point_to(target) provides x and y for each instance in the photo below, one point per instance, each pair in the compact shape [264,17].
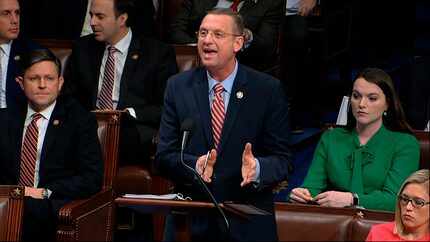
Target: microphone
[187,129]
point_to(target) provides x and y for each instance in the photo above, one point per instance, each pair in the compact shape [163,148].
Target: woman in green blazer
[364,163]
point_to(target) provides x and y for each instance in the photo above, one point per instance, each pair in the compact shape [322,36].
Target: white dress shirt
[120,58]
[4,60]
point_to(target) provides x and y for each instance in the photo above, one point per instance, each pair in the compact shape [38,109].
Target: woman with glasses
[364,163]
[412,212]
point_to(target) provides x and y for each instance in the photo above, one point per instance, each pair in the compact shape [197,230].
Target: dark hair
[237,18]
[395,118]
[39,55]
[125,6]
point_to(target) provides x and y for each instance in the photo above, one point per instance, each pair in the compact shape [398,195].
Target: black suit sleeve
[84,177]
[181,29]
[165,67]
[79,76]
[265,28]
[143,21]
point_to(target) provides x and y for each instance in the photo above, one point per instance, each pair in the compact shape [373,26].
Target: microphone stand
[206,189]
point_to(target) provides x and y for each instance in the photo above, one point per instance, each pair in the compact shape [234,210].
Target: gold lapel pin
[17,57]
[56,122]
[134,57]
[239,95]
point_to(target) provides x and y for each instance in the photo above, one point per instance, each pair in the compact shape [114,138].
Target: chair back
[61,49]
[93,219]
[187,57]
[109,122]
[424,139]
[11,212]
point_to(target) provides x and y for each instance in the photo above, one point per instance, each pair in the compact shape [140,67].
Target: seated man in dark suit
[13,47]
[50,146]
[132,76]
[261,19]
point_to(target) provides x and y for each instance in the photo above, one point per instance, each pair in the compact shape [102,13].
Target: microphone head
[188,125]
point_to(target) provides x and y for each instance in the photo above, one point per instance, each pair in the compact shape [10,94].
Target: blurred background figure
[295,60]
[70,19]
[13,47]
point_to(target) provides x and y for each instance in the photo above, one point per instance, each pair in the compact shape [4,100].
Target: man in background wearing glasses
[241,117]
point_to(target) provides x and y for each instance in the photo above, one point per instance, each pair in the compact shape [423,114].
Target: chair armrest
[76,218]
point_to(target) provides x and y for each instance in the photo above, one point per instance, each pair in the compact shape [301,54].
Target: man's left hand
[249,165]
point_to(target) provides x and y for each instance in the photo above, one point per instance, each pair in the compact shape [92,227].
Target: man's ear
[123,18]
[238,43]
[61,82]
[20,80]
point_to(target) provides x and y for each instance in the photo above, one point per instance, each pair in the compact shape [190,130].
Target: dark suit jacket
[262,17]
[148,66]
[259,117]
[20,47]
[71,163]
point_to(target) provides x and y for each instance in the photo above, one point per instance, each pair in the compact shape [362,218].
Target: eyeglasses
[217,35]
[418,203]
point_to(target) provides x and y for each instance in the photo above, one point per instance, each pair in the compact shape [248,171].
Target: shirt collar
[46,113]
[227,83]
[6,47]
[123,45]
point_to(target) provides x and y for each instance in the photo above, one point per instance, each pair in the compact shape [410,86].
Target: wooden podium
[186,208]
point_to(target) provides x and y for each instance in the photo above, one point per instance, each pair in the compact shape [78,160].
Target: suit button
[213,176]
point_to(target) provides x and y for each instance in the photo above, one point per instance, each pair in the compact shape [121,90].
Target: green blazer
[374,171]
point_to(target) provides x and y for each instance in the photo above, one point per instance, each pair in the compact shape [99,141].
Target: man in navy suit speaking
[241,118]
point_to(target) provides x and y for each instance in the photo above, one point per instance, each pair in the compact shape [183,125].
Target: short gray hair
[237,18]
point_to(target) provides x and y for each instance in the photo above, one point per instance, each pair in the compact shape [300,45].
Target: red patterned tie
[105,101]
[235,4]
[218,113]
[29,153]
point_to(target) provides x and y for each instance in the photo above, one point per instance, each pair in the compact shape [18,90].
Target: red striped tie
[105,100]
[218,114]
[29,153]
[235,4]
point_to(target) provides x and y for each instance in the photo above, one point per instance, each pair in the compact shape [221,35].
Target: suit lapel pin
[135,56]
[56,122]
[17,57]
[239,95]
